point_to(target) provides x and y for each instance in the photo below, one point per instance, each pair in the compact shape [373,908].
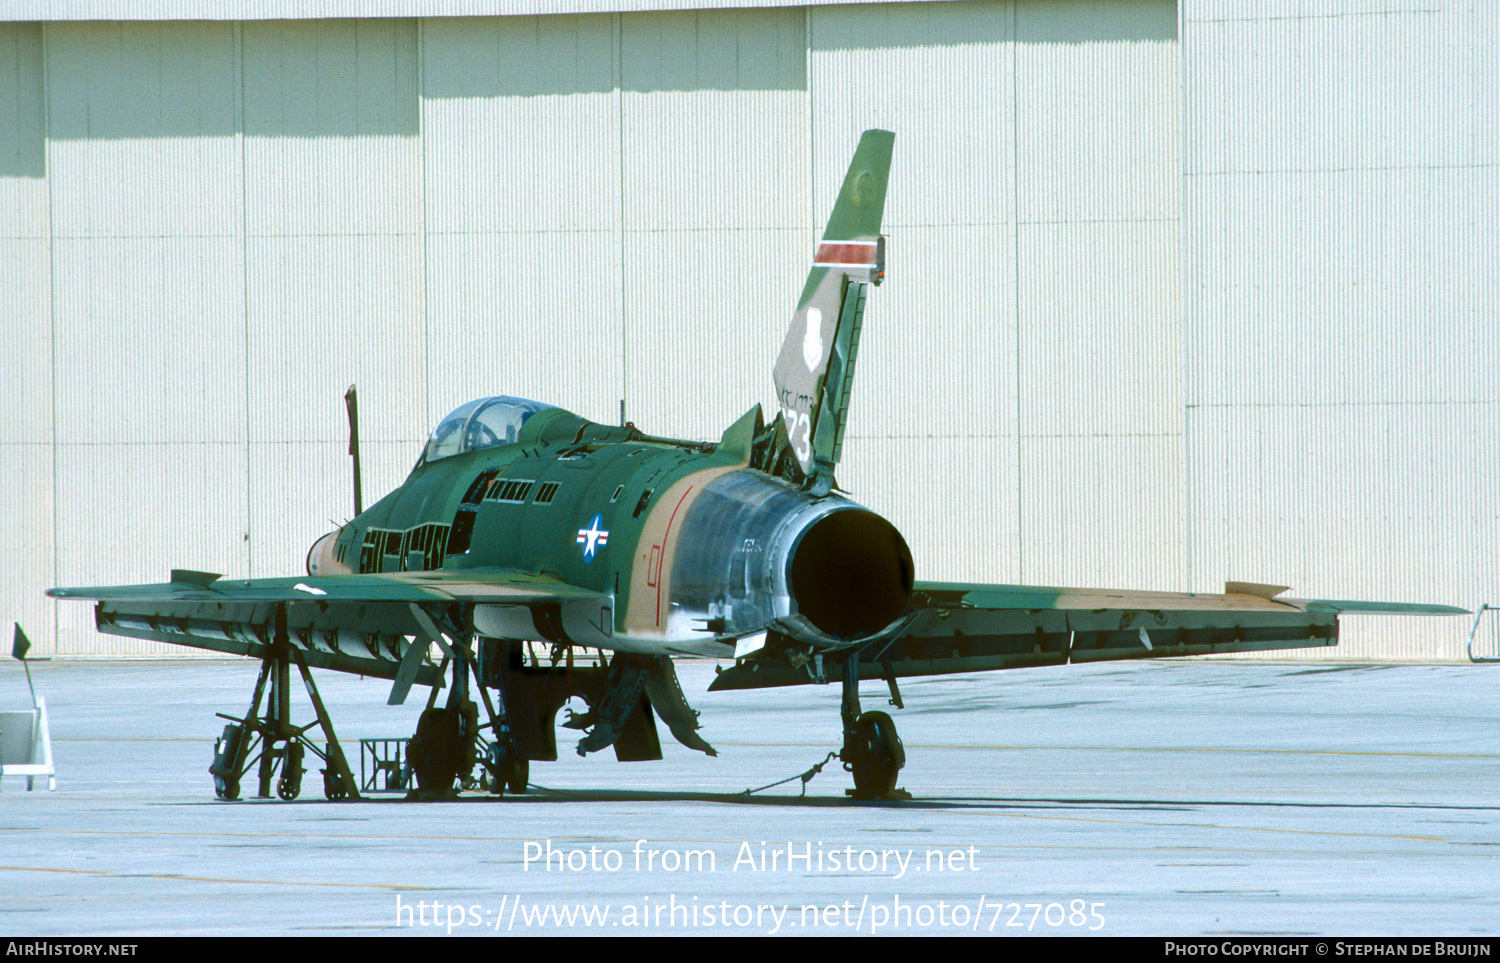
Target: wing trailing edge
[959,627]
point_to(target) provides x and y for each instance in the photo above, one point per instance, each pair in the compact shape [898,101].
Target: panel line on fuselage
[665,536]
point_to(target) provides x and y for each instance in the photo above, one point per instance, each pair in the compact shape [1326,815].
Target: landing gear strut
[446,749]
[504,766]
[444,746]
[872,750]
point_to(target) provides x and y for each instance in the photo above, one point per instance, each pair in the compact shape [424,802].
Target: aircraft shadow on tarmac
[543,795]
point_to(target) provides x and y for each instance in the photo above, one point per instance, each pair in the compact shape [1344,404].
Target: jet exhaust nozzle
[753,551]
[851,574]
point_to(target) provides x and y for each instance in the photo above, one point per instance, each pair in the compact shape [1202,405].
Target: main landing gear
[447,746]
[872,750]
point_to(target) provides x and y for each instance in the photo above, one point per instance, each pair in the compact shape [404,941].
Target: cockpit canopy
[483,423]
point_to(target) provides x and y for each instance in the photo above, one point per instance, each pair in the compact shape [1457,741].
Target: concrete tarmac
[1151,798]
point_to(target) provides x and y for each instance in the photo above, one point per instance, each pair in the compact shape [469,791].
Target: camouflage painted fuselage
[687,546]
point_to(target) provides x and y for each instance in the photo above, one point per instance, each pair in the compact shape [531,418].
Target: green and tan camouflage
[523,523]
[815,369]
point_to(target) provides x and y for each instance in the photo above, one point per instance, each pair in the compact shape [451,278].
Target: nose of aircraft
[322,558]
[851,574]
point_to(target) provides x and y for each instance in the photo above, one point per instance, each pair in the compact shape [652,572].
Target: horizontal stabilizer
[1377,608]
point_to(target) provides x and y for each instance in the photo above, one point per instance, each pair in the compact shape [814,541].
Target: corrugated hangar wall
[1342,365]
[208,229]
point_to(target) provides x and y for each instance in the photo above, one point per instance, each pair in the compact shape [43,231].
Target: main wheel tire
[505,770]
[877,755]
[518,773]
[436,751]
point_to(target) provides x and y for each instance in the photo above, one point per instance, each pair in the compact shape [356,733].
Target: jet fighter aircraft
[524,527]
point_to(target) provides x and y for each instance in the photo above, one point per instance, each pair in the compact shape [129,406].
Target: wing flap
[966,595]
[963,627]
[950,641]
[934,644]
[1238,597]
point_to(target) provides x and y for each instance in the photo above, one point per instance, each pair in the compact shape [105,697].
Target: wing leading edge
[960,627]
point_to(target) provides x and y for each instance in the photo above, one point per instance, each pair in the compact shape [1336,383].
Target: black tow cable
[806,777]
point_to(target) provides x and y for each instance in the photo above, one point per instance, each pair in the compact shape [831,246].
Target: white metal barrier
[1489,640]
[26,746]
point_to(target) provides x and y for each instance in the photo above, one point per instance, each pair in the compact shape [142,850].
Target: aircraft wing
[957,627]
[351,623]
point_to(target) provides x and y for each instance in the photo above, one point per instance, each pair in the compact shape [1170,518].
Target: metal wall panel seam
[1185,467]
[1015,246]
[239,64]
[421,26]
[51,309]
[626,402]
[812,135]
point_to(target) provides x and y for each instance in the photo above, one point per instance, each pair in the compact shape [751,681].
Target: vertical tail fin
[816,367]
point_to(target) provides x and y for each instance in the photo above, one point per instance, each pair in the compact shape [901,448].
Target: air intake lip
[851,574]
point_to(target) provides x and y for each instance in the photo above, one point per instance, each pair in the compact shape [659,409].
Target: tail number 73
[798,432]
